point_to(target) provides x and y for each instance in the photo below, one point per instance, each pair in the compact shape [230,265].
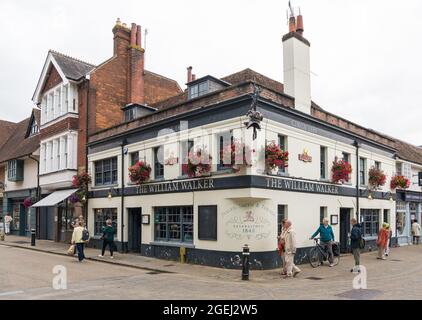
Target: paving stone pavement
[396,278]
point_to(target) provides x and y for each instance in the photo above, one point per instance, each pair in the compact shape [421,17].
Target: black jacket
[355,236]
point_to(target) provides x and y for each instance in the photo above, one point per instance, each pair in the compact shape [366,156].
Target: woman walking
[108,238]
[281,246]
[78,241]
[382,241]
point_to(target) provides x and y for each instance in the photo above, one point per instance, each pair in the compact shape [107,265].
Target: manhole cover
[20,242]
[314,278]
[360,294]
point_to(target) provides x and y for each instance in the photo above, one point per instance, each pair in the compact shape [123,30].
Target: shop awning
[54,198]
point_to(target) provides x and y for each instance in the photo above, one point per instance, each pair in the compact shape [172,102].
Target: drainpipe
[37,210]
[357,145]
[122,197]
[86,145]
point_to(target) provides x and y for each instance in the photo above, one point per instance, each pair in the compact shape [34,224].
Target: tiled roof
[17,146]
[409,152]
[72,68]
[251,75]
[6,130]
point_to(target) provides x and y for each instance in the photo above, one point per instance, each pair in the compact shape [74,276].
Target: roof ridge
[70,57]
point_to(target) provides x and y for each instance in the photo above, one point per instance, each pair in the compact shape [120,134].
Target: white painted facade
[30,174]
[302,208]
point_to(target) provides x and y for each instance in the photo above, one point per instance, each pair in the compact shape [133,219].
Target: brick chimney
[136,92]
[189,74]
[296,60]
[121,39]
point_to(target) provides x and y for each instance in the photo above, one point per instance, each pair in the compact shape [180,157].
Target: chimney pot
[139,36]
[292,24]
[299,28]
[193,77]
[133,35]
[189,74]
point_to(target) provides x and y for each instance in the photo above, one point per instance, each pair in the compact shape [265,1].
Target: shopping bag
[71,250]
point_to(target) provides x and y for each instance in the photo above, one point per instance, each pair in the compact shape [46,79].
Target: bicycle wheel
[314,258]
[336,260]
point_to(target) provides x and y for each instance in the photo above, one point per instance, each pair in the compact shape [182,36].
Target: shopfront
[23,218]
[408,208]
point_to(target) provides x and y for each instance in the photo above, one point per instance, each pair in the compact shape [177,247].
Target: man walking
[281,246]
[355,240]
[416,231]
[290,251]
[7,220]
[327,238]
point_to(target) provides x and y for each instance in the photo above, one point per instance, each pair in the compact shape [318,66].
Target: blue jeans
[80,249]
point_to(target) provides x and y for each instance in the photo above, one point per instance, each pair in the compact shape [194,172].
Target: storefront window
[413,210]
[370,222]
[281,215]
[16,215]
[100,218]
[174,224]
[400,217]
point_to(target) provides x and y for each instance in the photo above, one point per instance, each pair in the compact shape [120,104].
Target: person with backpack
[80,237]
[356,242]
[327,239]
[108,238]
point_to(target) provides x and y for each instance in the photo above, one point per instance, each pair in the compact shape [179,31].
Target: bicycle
[318,255]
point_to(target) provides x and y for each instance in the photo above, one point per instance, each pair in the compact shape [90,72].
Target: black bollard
[245,262]
[33,237]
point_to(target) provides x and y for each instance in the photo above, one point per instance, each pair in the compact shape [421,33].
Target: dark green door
[22,220]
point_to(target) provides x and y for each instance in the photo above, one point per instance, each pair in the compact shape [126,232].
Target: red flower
[377,178]
[275,157]
[139,173]
[399,182]
[340,171]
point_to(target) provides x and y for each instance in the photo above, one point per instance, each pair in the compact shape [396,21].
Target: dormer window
[34,128]
[204,86]
[133,111]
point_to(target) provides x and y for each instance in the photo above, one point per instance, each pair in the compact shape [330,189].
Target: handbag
[362,243]
[71,250]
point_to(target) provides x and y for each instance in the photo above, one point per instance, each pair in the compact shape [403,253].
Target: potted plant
[80,181]
[199,163]
[377,178]
[399,182]
[340,171]
[240,155]
[28,202]
[140,172]
[275,157]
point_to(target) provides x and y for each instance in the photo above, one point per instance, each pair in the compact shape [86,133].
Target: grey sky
[365,55]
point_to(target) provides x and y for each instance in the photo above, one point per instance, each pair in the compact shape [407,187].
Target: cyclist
[327,237]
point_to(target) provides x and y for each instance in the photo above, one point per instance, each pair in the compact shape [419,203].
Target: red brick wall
[59,127]
[82,98]
[158,88]
[108,87]
[53,79]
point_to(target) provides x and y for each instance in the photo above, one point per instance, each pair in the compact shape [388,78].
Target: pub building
[212,216]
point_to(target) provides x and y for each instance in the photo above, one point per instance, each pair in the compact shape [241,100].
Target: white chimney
[297,70]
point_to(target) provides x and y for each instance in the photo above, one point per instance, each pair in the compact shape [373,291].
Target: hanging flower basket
[78,196]
[340,171]
[81,181]
[377,178]
[140,172]
[399,182]
[199,163]
[275,157]
[28,202]
[240,155]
